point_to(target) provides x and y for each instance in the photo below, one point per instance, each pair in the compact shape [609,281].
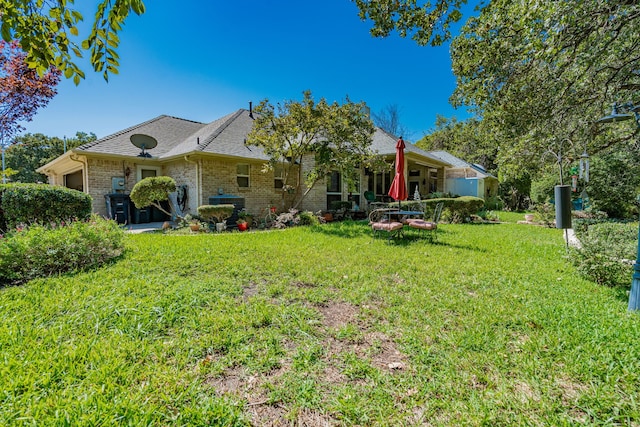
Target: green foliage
[514,192]
[339,135]
[426,23]
[44,250]
[542,73]
[30,151]
[46,34]
[467,140]
[615,182]
[308,218]
[151,191]
[607,252]
[454,210]
[216,213]
[40,203]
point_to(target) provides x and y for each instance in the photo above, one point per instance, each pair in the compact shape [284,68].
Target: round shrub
[41,251]
[41,203]
[216,213]
[152,190]
[607,253]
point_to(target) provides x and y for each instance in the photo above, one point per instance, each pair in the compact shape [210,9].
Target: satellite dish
[143,142]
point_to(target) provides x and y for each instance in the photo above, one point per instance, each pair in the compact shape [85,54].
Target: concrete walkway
[144,228]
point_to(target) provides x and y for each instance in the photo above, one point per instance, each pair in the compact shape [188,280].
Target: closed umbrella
[398,188]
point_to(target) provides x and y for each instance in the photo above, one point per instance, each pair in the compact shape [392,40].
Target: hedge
[42,250]
[40,203]
[458,209]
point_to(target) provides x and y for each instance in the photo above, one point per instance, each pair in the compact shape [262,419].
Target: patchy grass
[323,326]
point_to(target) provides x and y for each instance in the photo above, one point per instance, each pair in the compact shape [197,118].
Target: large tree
[22,92]
[30,151]
[48,33]
[338,136]
[541,73]
[466,139]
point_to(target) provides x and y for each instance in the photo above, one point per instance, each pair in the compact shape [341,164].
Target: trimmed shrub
[151,191]
[607,253]
[41,203]
[41,251]
[456,210]
[215,213]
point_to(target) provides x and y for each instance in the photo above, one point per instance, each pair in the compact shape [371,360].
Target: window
[242,172]
[278,177]
[334,188]
[143,172]
[334,182]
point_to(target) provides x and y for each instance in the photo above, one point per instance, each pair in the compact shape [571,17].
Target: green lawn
[316,326]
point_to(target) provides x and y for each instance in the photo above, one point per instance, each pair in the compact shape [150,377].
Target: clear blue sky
[202,59]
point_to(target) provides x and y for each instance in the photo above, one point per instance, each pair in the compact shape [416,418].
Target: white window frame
[239,175]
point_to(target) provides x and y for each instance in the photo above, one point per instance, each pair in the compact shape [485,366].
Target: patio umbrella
[398,188]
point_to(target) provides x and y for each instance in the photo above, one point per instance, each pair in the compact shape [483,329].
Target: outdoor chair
[380,222]
[430,227]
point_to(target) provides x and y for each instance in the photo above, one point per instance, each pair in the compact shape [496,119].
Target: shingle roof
[178,137]
[225,137]
[459,163]
[167,130]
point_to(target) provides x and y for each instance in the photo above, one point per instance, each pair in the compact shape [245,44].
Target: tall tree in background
[22,92]
[338,135]
[464,139]
[541,73]
[46,30]
[30,151]
[388,120]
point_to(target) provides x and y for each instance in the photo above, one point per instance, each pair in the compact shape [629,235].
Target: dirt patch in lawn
[344,331]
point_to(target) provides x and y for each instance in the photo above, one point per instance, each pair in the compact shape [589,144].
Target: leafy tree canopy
[30,151]
[541,73]
[425,22]
[22,90]
[47,31]
[338,135]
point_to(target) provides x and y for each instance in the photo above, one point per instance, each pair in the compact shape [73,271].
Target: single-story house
[212,163]
[467,179]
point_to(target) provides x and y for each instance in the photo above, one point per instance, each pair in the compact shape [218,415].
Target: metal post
[634,295]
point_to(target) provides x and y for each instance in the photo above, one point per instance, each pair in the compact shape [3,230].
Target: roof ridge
[130,128]
[221,128]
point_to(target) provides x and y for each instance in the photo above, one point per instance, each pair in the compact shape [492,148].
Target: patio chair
[430,227]
[380,221]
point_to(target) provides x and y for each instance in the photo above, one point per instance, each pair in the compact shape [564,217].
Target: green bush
[457,210]
[40,203]
[308,218]
[607,249]
[41,251]
[216,213]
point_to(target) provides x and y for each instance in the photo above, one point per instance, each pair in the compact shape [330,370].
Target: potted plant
[245,216]
[216,214]
[242,225]
[192,222]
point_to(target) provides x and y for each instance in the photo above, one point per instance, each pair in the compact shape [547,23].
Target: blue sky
[200,60]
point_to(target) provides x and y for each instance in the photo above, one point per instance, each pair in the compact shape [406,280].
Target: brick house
[212,159]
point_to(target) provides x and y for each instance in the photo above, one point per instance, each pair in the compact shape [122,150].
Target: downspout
[198,172]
